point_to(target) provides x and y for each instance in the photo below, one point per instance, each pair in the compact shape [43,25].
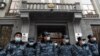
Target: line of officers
[48,48]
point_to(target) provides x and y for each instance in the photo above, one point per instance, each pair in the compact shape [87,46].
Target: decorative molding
[51,5]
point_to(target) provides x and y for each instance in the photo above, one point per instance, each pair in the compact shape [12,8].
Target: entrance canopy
[51,16]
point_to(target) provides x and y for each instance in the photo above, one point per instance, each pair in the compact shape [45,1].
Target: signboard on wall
[25,37]
[77,35]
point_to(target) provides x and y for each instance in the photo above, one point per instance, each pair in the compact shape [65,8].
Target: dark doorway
[96,32]
[56,31]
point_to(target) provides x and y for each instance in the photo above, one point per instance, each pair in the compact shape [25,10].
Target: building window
[15,6]
[87,7]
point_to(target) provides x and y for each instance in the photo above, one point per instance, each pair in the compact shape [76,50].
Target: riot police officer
[65,48]
[16,46]
[93,45]
[87,48]
[30,49]
[81,48]
[46,47]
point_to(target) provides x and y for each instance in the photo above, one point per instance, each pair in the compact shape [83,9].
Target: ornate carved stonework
[51,5]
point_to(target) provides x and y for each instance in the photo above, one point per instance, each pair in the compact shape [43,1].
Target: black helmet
[30,39]
[89,36]
[79,38]
[45,34]
[18,33]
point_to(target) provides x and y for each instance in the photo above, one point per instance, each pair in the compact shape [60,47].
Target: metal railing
[13,12]
[57,6]
[91,16]
[43,7]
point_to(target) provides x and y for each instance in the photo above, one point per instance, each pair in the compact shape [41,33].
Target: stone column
[76,25]
[71,32]
[25,26]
